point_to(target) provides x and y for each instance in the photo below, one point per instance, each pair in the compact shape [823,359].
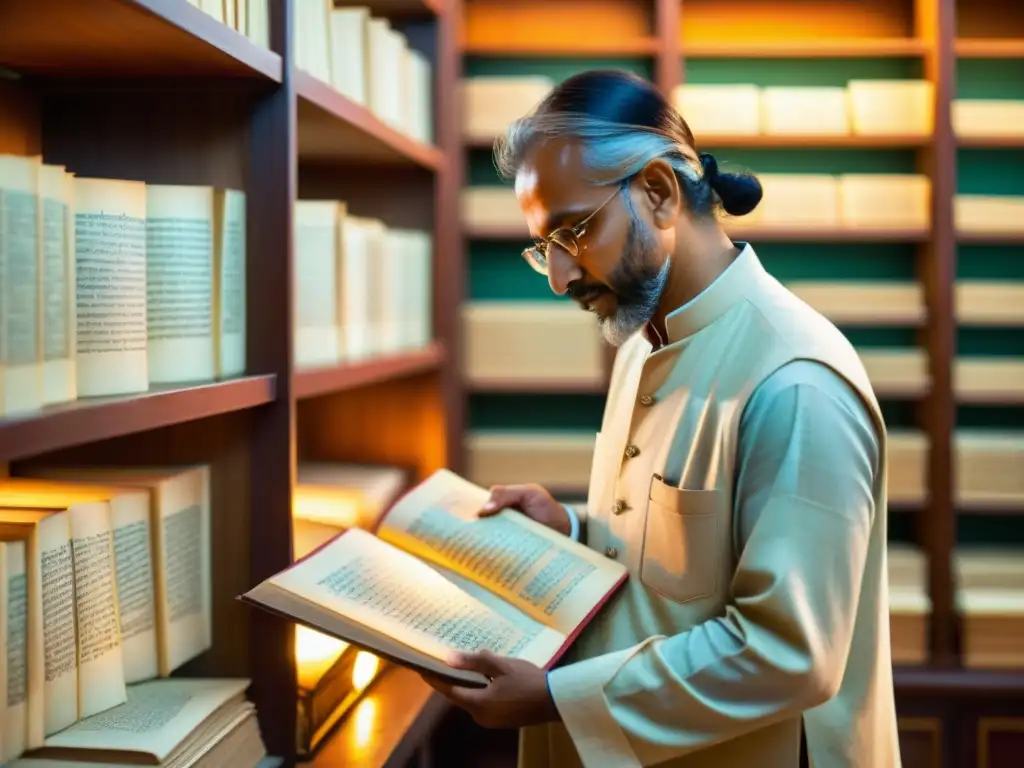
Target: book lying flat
[435,579]
[168,722]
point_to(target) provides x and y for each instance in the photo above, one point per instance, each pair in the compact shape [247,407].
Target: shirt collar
[714,301]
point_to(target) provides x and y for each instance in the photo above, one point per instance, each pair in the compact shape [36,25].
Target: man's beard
[637,284]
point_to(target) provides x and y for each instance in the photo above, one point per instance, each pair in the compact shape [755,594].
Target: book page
[100,663]
[183,571]
[20,347]
[179,283]
[56,191]
[15,721]
[56,623]
[230,266]
[135,593]
[157,716]
[391,592]
[110,279]
[555,580]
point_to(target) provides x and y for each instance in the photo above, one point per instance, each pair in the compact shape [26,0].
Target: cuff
[578,693]
[574,523]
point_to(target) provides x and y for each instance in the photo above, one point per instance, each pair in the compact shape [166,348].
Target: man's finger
[485,662]
[502,496]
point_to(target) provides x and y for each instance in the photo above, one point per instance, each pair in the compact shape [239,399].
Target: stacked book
[105,581]
[248,17]
[112,286]
[367,61]
[362,289]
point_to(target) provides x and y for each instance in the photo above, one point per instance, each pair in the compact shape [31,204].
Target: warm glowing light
[366,717]
[314,654]
[337,507]
[364,670]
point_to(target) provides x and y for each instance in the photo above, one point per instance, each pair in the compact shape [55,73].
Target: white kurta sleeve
[808,458]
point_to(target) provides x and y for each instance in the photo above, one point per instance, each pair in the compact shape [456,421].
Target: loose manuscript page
[156,718]
[546,575]
[391,592]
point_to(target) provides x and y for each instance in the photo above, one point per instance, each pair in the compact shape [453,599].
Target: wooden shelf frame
[203,104]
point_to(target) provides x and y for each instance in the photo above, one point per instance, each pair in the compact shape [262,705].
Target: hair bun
[709,166]
[739,192]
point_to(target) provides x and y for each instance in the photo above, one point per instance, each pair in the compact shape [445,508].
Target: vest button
[646,400]
[632,451]
[611,552]
[620,506]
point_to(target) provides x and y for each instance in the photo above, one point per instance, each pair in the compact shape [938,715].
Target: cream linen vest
[661,502]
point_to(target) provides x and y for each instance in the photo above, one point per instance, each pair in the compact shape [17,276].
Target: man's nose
[562,269]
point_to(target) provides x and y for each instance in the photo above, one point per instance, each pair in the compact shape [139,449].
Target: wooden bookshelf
[89,420]
[138,38]
[324,381]
[158,91]
[780,42]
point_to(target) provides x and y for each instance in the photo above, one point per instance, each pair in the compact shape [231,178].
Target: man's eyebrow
[561,218]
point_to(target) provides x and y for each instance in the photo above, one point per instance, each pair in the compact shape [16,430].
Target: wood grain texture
[136,38]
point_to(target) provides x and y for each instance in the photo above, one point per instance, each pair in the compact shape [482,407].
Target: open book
[436,580]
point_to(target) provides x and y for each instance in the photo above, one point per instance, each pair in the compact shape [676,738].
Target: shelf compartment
[555,459]
[989,380]
[795,28]
[315,382]
[137,38]
[334,128]
[93,419]
[558,28]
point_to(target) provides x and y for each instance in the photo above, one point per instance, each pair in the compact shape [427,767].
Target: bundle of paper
[436,580]
[171,723]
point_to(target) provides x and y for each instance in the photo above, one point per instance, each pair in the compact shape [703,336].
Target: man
[739,472]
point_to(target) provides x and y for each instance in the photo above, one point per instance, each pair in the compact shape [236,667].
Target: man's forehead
[550,184]
[551,170]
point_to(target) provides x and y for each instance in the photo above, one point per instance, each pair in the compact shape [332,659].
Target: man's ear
[660,190]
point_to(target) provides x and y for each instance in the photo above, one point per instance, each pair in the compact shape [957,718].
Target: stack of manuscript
[104,582]
[174,723]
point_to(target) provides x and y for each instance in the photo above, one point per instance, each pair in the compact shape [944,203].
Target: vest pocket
[681,544]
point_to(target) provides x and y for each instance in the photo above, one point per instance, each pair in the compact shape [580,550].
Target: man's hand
[533,501]
[517,695]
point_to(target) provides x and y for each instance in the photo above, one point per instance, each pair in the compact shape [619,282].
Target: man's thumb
[502,496]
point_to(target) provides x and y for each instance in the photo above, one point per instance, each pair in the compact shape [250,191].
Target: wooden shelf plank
[990,142]
[161,38]
[335,128]
[804,49]
[93,419]
[324,381]
[394,717]
[989,48]
[565,47]
[779,142]
[983,684]
[990,238]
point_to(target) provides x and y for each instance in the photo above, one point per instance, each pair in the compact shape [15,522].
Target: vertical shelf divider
[936,21]
[450,266]
[269,332]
